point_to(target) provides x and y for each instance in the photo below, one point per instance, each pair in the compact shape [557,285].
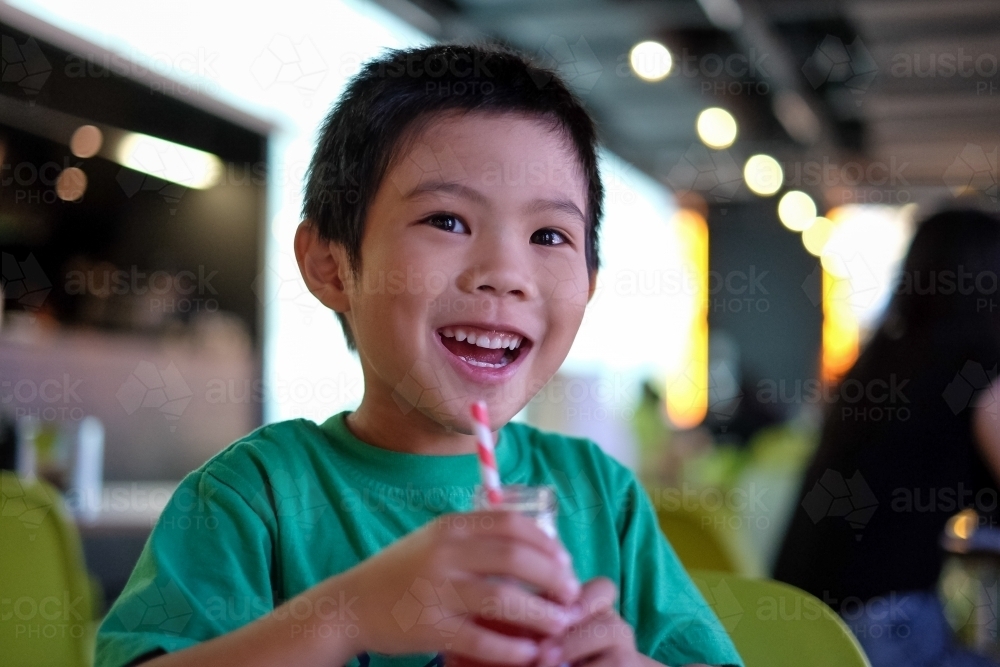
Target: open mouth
[482,348]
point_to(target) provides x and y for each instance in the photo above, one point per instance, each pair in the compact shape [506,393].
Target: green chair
[706,540]
[47,614]
[776,625]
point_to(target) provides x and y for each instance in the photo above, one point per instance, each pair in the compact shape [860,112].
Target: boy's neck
[414,433]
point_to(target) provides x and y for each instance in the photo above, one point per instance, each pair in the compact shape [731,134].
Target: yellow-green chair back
[773,624]
[46,616]
[705,540]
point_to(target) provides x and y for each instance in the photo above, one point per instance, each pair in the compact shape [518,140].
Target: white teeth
[507,341]
[503,362]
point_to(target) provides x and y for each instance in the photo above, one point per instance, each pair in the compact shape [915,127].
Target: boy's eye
[548,237]
[448,223]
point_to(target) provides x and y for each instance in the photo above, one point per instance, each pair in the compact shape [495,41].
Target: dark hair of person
[396,95]
[950,273]
[940,305]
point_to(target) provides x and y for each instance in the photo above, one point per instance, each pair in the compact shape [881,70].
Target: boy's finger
[491,555]
[593,637]
[507,603]
[484,645]
[509,524]
[609,660]
[597,599]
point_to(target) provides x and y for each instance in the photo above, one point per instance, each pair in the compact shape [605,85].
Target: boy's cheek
[563,281]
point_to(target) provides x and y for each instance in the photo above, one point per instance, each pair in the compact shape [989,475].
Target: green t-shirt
[294,502]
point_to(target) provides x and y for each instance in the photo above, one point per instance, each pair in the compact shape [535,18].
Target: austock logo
[578,500]
[714,173]
[973,169]
[834,496]
[722,390]
[423,387]
[159,607]
[281,281]
[133,182]
[157,159]
[722,601]
[970,379]
[24,282]
[426,604]
[293,499]
[970,603]
[286,62]
[148,387]
[30,511]
[720,598]
[423,164]
[859,286]
[834,62]
[23,64]
[576,63]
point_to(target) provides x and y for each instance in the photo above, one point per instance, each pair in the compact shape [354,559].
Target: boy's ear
[324,267]
[593,285]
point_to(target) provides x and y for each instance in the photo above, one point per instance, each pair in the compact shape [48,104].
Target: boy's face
[478,228]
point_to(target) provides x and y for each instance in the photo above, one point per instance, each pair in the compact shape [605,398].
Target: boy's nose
[500,273]
[499,281]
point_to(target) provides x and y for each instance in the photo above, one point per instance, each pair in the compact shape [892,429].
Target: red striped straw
[487,460]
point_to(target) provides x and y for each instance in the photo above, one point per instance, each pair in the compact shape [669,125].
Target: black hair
[950,271]
[401,91]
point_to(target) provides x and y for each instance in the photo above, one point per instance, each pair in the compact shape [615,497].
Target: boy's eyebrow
[477,197]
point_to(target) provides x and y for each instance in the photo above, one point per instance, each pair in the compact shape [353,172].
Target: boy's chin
[457,417]
[449,404]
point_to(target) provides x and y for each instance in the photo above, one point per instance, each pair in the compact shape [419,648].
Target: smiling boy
[460,264]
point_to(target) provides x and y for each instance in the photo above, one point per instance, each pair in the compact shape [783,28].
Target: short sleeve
[673,623]
[204,571]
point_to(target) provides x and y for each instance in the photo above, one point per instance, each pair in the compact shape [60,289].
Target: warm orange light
[71,184]
[840,328]
[86,141]
[963,524]
[687,383]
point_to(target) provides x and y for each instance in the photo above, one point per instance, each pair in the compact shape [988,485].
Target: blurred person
[907,442]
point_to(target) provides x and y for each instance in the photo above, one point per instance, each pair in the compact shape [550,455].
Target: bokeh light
[86,141]
[687,384]
[817,235]
[172,162]
[763,175]
[716,128]
[71,184]
[796,210]
[651,61]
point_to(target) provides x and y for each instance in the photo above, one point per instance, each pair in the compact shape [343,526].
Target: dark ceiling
[889,101]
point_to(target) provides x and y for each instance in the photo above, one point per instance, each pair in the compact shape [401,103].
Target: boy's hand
[598,637]
[465,553]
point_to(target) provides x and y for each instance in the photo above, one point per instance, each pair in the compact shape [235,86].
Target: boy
[459,262]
